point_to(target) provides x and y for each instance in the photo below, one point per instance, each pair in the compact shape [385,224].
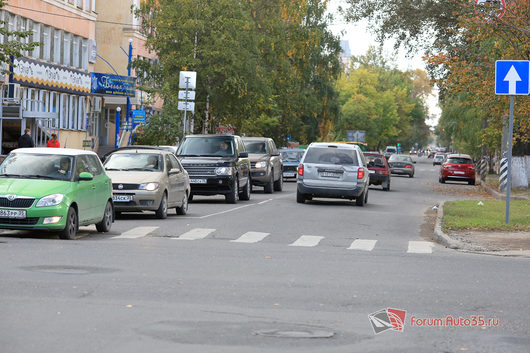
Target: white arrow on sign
[512,77]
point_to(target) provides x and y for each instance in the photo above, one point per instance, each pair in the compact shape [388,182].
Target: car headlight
[148,186]
[261,164]
[50,200]
[224,171]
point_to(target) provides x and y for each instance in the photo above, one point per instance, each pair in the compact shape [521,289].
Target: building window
[37,38]
[57,45]
[75,51]
[46,43]
[63,112]
[93,7]
[81,113]
[67,49]
[84,54]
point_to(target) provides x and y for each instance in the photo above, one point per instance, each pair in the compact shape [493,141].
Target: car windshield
[459,160]
[38,166]
[391,150]
[399,158]
[150,162]
[257,147]
[439,156]
[374,160]
[207,146]
[292,156]
[331,156]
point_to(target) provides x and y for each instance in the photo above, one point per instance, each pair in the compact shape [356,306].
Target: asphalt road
[262,276]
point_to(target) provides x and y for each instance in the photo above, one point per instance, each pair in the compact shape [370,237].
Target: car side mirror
[85,176]
[414,162]
[243,155]
[275,154]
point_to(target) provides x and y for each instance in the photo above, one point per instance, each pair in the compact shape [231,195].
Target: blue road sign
[138,116]
[512,77]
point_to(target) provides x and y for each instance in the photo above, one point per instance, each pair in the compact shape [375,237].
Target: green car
[54,190]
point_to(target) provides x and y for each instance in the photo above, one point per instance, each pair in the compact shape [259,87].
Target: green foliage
[162,129]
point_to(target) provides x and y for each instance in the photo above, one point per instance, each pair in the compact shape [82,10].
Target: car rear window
[331,156]
[374,160]
[459,160]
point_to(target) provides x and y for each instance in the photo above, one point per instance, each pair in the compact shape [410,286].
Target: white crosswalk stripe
[420,247]
[363,244]
[307,240]
[196,234]
[251,237]
[137,232]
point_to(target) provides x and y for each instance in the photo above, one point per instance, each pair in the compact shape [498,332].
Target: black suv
[216,164]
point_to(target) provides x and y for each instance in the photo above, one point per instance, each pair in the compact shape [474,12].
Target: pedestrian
[25,140]
[53,142]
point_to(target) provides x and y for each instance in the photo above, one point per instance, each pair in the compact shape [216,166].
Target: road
[262,276]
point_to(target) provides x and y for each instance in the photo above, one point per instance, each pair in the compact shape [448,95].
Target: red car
[378,168]
[458,167]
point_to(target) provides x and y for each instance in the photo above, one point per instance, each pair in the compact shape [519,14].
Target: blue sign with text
[114,85]
[512,77]
[138,116]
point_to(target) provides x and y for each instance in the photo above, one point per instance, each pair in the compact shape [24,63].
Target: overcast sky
[360,40]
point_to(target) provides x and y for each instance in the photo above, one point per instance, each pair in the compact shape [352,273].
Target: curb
[441,237]
[498,195]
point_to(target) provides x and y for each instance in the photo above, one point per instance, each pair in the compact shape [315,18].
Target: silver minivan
[333,170]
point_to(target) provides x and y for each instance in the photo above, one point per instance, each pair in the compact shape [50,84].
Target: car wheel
[386,185]
[268,188]
[232,196]
[161,213]
[366,196]
[411,175]
[70,229]
[300,198]
[190,197]
[278,184]
[442,180]
[245,195]
[183,209]
[359,201]
[106,223]
[471,182]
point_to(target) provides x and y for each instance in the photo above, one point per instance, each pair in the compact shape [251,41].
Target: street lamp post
[129,58]
[117,134]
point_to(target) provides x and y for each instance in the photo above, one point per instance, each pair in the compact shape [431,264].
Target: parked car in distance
[266,166]
[378,169]
[401,164]
[333,170]
[458,167]
[216,164]
[438,159]
[291,158]
[145,179]
[55,190]
[390,150]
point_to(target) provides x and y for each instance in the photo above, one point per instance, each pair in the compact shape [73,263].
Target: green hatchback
[54,190]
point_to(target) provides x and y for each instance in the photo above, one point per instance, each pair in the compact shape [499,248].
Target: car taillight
[301,170]
[360,173]
[408,166]
[383,171]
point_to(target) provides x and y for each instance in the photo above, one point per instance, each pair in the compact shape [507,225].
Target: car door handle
[93,186]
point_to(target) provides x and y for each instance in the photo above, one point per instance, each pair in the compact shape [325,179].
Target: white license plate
[197,181]
[458,172]
[122,198]
[330,175]
[371,171]
[289,174]
[19,214]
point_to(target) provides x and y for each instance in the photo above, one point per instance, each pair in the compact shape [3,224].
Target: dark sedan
[401,164]
[378,169]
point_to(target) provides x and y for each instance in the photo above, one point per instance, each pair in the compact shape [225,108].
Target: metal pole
[185,107]
[117,134]
[509,181]
[129,58]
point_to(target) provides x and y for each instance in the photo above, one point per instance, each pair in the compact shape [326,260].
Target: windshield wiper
[189,155]
[12,175]
[144,169]
[113,169]
[38,176]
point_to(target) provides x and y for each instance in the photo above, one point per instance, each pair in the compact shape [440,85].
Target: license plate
[19,214]
[197,181]
[330,175]
[122,198]
[458,172]
[289,174]
[371,171]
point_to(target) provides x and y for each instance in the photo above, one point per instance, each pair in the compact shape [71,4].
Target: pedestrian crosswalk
[253,237]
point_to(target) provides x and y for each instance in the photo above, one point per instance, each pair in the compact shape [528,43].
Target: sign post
[187,80]
[512,77]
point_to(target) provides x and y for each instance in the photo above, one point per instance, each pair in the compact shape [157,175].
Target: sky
[360,39]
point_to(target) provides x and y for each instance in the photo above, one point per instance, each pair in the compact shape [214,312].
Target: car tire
[300,198]
[70,229]
[442,180]
[269,187]
[245,195]
[106,223]
[471,182]
[232,196]
[278,184]
[411,175]
[359,201]
[386,186]
[183,208]
[161,213]
[366,197]
[190,197]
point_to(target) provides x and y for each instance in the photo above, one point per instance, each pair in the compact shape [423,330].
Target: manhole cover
[68,270]
[305,333]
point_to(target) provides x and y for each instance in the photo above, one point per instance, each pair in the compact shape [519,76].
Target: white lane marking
[363,244]
[196,234]
[262,202]
[137,232]
[218,213]
[420,247]
[307,240]
[251,237]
